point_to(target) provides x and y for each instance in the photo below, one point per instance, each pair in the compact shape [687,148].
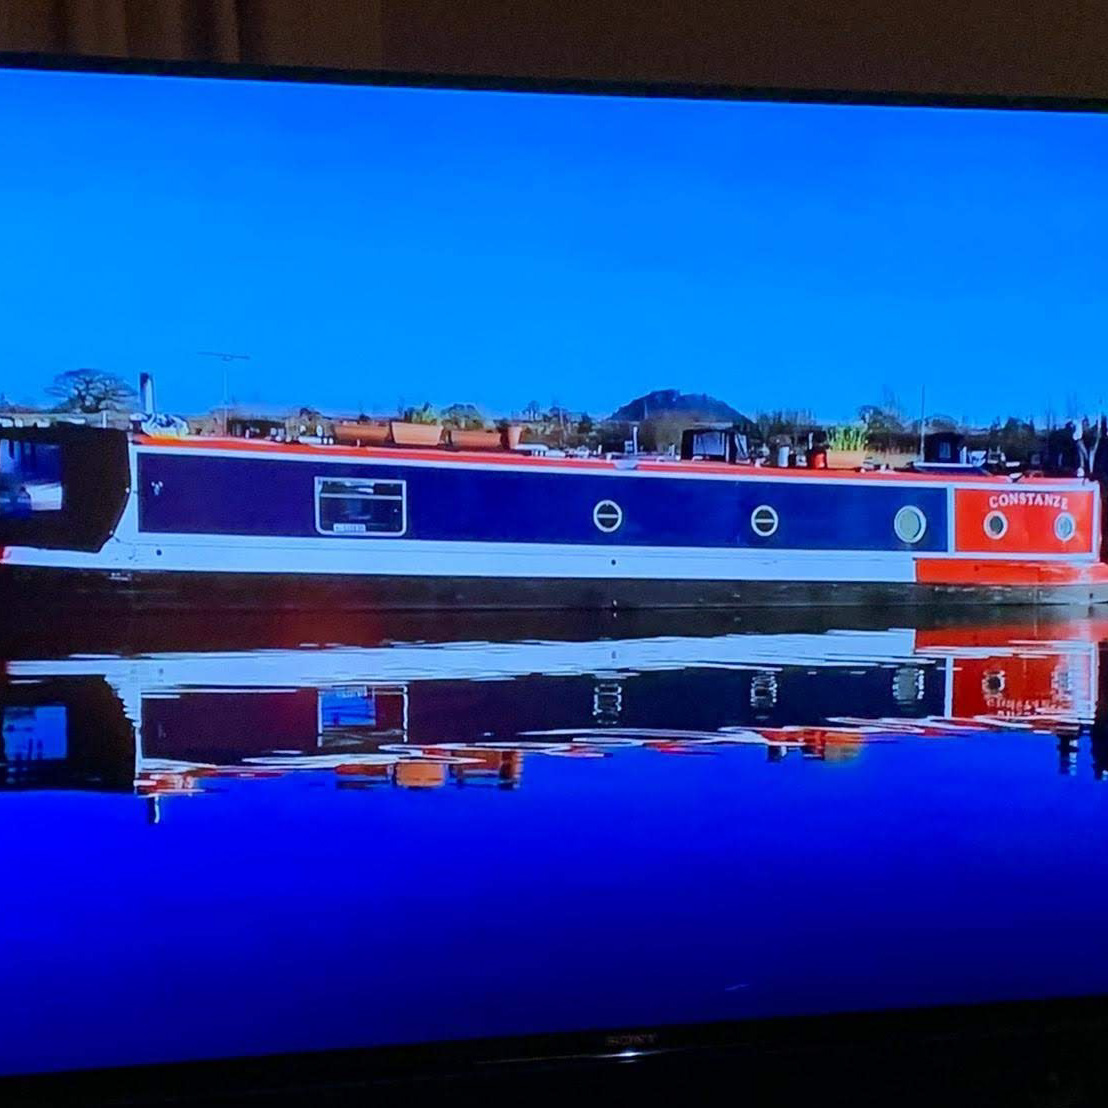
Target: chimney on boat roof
[146,393]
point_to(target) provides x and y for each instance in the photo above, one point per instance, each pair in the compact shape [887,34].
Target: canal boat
[116,517]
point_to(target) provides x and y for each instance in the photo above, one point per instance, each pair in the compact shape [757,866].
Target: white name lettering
[1030,500]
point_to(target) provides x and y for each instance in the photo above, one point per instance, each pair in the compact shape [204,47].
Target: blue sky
[367,246]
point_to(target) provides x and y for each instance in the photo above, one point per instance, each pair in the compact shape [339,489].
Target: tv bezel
[922,1029]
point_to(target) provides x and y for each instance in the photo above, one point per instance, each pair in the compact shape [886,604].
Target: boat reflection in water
[455,830]
[425,714]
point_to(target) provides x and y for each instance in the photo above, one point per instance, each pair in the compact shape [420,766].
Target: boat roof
[521,459]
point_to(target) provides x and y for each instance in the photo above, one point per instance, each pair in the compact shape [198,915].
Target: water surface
[297,838]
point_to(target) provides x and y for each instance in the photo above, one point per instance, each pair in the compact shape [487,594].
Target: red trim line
[955,571]
[494,458]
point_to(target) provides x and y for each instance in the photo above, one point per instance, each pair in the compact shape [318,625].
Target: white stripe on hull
[477,660]
[423,558]
[419,558]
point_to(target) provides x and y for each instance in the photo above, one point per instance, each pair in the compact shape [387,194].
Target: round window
[910,524]
[1065,527]
[996,525]
[764,520]
[607,516]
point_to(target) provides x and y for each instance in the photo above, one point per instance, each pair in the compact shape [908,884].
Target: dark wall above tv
[952,46]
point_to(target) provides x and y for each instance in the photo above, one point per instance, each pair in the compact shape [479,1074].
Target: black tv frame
[954,1050]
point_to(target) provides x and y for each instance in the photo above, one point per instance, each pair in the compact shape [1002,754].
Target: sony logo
[632,1038]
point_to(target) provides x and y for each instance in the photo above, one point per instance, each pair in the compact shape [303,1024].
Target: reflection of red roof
[830,736]
[513,458]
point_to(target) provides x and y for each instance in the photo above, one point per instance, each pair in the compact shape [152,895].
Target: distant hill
[667,403]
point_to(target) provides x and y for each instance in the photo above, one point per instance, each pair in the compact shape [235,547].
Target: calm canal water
[310,835]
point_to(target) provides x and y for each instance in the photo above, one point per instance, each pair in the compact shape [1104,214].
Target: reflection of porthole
[1065,527]
[996,525]
[908,686]
[764,520]
[763,690]
[910,524]
[607,701]
[1062,683]
[992,684]
[607,516]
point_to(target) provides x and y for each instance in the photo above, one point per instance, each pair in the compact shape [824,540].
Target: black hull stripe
[74,589]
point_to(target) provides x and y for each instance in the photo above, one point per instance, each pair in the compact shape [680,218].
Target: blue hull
[219,495]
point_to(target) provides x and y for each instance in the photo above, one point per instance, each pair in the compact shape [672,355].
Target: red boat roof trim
[490,458]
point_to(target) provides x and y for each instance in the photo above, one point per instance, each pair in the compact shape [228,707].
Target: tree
[662,432]
[464,416]
[787,423]
[1017,438]
[880,420]
[424,414]
[1098,438]
[90,391]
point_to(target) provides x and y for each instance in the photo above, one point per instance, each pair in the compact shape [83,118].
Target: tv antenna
[225,357]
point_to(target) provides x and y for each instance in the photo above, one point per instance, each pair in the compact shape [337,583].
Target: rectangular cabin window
[30,478]
[710,444]
[359,507]
[343,708]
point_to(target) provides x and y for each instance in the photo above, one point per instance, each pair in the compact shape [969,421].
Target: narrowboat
[118,517]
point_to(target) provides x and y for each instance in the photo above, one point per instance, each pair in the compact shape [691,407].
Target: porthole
[910,524]
[1065,527]
[996,525]
[764,520]
[607,516]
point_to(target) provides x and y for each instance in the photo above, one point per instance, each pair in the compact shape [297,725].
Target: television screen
[487,564]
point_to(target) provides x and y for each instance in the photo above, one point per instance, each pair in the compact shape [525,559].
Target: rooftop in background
[32,418]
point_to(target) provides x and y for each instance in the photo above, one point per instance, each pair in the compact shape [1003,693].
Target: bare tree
[1098,436]
[91,390]
[890,402]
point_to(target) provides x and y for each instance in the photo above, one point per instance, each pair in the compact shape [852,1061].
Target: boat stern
[1040,538]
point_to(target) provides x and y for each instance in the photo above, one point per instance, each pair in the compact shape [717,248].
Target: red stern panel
[1025,520]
